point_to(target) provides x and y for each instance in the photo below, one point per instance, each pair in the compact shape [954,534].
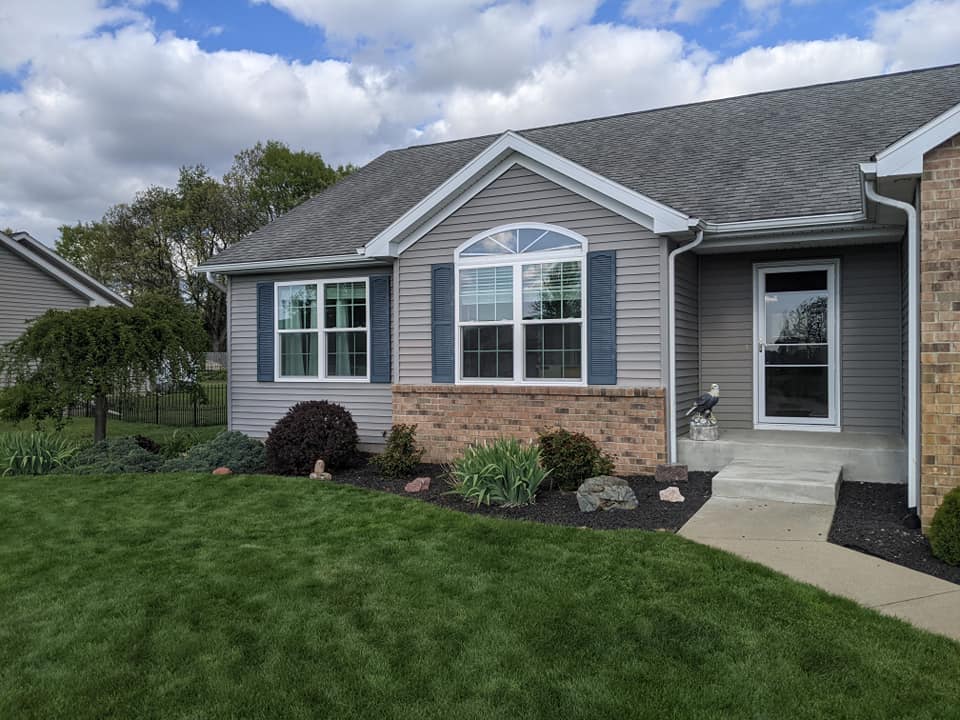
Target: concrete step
[812,483]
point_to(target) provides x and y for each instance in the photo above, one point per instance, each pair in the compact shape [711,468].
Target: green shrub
[945,529]
[402,454]
[230,449]
[113,455]
[33,453]
[505,472]
[310,431]
[571,458]
[148,444]
[178,443]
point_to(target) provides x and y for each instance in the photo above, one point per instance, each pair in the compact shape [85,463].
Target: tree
[89,354]
[152,244]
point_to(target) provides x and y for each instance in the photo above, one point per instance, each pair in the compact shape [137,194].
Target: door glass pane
[797,392]
[794,281]
[795,316]
[796,354]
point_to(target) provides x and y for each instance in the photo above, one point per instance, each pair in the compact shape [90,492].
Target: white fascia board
[37,259]
[309,263]
[905,157]
[664,220]
[785,223]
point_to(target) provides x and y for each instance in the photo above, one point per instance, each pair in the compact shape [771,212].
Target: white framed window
[321,330]
[520,306]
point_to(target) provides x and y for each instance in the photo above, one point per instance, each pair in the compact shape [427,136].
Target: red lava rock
[417,485]
[223,471]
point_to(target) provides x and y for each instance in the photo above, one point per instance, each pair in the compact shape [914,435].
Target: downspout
[219,286]
[913,327]
[672,345]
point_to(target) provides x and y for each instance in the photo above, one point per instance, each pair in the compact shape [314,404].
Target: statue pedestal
[704,432]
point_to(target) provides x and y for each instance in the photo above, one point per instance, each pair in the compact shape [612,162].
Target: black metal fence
[166,407]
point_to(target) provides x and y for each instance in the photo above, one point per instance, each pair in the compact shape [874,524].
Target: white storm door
[796,357]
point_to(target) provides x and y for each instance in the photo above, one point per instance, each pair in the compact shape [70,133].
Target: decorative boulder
[606,492]
[671,473]
[417,485]
[319,472]
[671,494]
[222,471]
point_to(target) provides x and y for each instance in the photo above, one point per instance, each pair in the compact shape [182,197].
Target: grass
[179,596]
[80,430]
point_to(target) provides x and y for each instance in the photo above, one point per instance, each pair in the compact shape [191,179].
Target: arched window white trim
[521,306]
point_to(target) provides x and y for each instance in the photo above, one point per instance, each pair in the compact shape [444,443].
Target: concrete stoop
[808,483]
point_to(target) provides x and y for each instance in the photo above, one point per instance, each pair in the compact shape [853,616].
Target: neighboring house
[34,279]
[601,274]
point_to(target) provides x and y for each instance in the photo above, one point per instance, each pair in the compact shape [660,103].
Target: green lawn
[81,430]
[179,596]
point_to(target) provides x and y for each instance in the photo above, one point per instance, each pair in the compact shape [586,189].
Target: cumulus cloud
[107,105]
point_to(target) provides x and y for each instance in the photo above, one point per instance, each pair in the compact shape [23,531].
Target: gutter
[672,345]
[308,263]
[218,285]
[913,344]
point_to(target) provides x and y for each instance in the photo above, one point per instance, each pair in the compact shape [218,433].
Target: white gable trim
[905,157]
[38,258]
[489,164]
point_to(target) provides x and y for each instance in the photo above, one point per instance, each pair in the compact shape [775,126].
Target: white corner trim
[44,259]
[661,218]
[905,157]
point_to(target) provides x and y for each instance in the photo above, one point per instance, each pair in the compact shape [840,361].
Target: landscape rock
[321,476]
[606,492]
[417,485]
[319,467]
[671,494]
[222,471]
[671,473]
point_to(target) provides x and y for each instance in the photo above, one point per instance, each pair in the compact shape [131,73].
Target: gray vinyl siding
[688,335]
[520,195]
[256,406]
[27,292]
[870,333]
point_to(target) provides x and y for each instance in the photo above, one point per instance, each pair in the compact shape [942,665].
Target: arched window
[520,306]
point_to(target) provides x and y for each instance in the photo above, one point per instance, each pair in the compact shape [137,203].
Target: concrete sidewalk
[792,539]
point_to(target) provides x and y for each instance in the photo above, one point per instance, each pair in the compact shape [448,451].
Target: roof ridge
[695,103]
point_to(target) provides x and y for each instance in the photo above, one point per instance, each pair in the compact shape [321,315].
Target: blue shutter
[441,322]
[265,332]
[602,318]
[380,328]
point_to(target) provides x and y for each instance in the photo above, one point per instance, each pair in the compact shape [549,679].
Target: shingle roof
[777,154]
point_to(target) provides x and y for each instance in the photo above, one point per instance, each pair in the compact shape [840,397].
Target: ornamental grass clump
[945,529]
[505,472]
[33,453]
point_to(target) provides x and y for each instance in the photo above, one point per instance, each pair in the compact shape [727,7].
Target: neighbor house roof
[39,255]
[770,155]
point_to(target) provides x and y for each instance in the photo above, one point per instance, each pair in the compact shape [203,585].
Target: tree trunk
[99,417]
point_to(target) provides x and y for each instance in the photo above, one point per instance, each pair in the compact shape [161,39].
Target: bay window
[322,343]
[520,306]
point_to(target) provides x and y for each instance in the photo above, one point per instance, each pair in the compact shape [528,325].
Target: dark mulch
[869,518]
[555,507]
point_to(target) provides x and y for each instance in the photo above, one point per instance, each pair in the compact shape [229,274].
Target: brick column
[939,326]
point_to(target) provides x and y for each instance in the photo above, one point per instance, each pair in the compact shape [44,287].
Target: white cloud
[670,11]
[924,33]
[108,106]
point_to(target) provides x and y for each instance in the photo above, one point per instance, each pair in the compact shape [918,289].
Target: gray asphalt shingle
[778,154]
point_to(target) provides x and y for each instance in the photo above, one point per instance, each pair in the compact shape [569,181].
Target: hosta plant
[33,453]
[505,472]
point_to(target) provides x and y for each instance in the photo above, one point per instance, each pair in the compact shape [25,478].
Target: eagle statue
[703,405]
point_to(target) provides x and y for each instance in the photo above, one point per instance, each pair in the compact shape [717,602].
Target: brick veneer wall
[628,423]
[939,326]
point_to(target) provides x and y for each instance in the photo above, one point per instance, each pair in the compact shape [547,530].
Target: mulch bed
[869,518]
[554,507]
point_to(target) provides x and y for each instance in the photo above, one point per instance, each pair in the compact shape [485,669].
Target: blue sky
[99,99]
